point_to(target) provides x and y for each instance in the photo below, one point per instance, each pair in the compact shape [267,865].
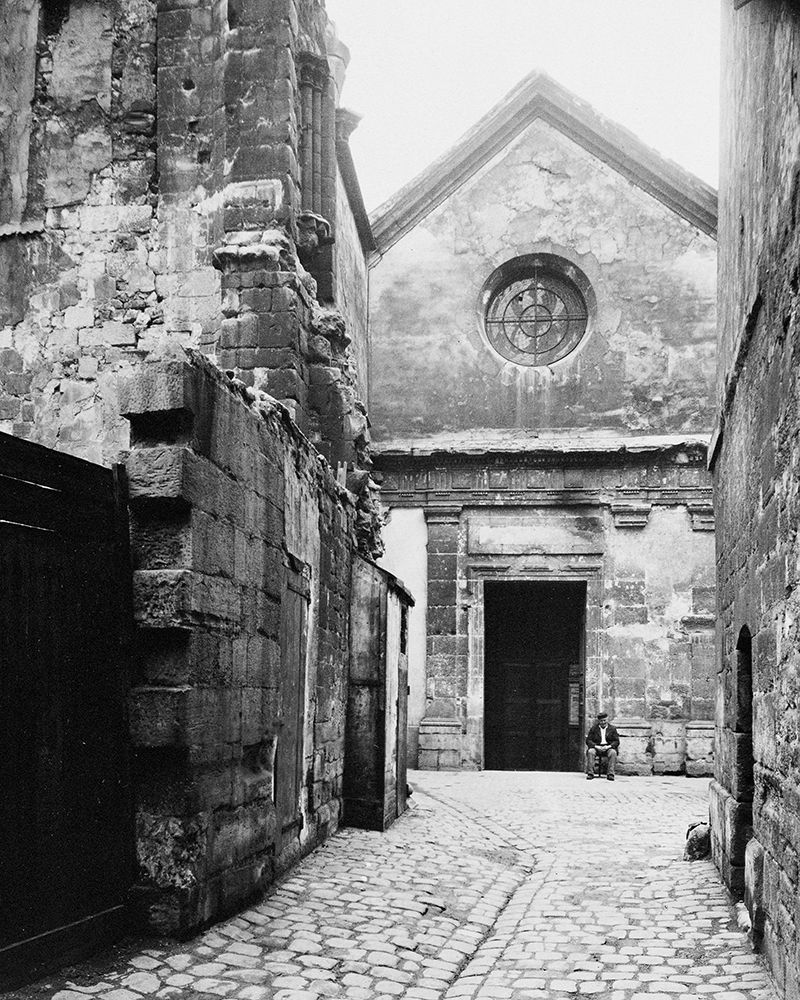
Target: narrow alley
[493,885]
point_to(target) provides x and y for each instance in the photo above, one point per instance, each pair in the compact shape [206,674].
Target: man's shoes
[589,777]
[610,777]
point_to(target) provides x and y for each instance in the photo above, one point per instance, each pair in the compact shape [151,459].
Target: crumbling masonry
[183,265]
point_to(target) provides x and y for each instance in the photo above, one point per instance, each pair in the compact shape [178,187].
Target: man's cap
[602,715]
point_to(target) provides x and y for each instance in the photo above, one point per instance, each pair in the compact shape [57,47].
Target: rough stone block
[240,833]
[181,599]
[735,763]
[176,474]
[159,387]
[442,593]
[185,717]
[635,751]
[449,760]
[699,749]
[733,823]
[441,620]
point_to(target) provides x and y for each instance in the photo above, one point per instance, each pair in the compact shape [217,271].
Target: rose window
[534,315]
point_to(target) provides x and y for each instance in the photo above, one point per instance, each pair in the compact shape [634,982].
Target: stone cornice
[444,485]
[675,451]
[444,501]
[539,96]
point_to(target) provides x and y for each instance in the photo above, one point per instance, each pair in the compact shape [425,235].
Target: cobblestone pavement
[493,885]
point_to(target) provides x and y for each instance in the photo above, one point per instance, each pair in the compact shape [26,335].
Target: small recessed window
[535,310]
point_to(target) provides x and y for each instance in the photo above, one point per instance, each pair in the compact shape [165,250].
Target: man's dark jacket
[612,736]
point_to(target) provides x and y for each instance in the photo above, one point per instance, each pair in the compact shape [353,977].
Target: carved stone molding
[630,515]
[702,514]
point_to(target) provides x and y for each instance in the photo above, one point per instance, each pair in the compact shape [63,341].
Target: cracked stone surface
[493,885]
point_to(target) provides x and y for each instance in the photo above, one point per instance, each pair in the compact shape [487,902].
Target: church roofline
[538,96]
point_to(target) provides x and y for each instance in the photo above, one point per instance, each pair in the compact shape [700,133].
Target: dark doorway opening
[534,675]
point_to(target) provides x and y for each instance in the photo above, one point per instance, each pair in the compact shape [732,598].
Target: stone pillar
[441,731]
[318,176]
[261,92]
[268,313]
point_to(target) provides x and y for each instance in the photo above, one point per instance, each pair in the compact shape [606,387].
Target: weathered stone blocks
[229,504]
[440,744]
[731,828]
[699,748]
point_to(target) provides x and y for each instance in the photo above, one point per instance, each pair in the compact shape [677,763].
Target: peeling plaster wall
[649,644]
[648,568]
[649,362]
[756,796]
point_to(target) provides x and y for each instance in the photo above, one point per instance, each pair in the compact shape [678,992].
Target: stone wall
[140,148]
[637,531]
[155,164]
[756,797]
[77,240]
[242,545]
[647,364]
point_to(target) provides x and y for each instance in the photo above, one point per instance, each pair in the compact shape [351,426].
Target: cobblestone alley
[493,885]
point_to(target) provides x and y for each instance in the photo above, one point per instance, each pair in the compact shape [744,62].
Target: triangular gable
[539,96]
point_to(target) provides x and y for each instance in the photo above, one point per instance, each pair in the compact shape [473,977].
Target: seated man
[602,740]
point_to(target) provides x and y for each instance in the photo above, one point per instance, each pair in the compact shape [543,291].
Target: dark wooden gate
[377,699]
[66,832]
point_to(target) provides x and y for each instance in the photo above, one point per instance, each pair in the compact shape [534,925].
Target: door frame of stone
[548,569]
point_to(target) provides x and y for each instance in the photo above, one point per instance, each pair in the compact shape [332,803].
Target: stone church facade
[542,332]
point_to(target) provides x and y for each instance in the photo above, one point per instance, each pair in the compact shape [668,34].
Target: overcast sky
[424,71]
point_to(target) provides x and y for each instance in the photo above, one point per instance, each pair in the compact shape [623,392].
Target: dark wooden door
[533,641]
[66,829]
[288,775]
[533,715]
[516,711]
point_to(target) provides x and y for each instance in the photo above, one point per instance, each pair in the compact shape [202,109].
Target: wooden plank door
[66,815]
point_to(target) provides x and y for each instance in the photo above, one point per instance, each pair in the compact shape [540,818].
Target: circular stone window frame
[524,267]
